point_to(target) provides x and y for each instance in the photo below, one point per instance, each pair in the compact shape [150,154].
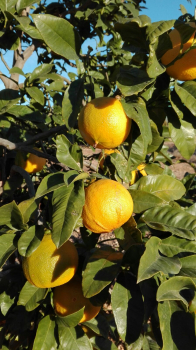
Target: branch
[27,178]
[5,63]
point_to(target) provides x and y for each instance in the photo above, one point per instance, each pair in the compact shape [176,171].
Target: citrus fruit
[30,162]
[185,67]
[48,266]
[69,298]
[103,123]
[108,205]
[102,156]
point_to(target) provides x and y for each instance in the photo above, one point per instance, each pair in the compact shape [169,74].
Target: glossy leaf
[45,337]
[73,338]
[188,266]
[176,221]
[36,94]
[64,148]
[174,245]
[40,72]
[187,94]
[31,296]
[11,216]
[59,35]
[30,240]
[27,208]
[128,307]
[101,269]
[170,289]
[67,208]
[162,186]
[7,246]
[143,200]
[50,183]
[184,138]
[73,319]
[136,110]
[152,262]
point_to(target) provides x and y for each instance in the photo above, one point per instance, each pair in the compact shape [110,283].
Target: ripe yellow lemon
[69,298]
[108,205]
[184,68]
[48,266]
[103,123]
[102,156]
[30,162]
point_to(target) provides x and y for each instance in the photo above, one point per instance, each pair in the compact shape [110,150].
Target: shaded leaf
[27,208]
[64,149]
[101,269]
[188,266]
[30,240]
[7,247]
[31,296]
[131,80]
[152,262]
[166,310]
[72,102]
[8,98]
[176,221]
[173,245]
[73,338]
[36,94]
[11,216]
[187,94]
[73,319]
[45,337]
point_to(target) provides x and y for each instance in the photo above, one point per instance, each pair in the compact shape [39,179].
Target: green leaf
[17,70]
[22,4]
[173,245]
[5,303]
[8,98]
[136,110]
[27,208]
[25,25]
[152,262]
[188,266]
[166,311]
[170,289]
[64,150]
[40,72]
[72,338]
[183,138]
[137,153]
[128,307]
[11,216]
[8,5]
[59,35]
[7,247]
[176,221]
[30,240]
[128,234]
[163,186]
[156,29]
[73,319]
[67,208]
[50,183]
[131,80]
[36,94]
[121,165]
[143,200]
[119,299]
[157,140]
[30,296]
[72,101]
[187,94]
[101,269]
[45,336]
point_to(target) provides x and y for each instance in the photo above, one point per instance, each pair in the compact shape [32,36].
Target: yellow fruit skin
[69,298]
[108,205]
[184,68]
[102,156]
[48,266]
[103,123]
[32,164]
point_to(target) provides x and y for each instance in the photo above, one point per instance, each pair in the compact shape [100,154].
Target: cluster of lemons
[104,124]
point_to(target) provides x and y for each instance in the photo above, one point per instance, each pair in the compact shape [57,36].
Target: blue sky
[156,9]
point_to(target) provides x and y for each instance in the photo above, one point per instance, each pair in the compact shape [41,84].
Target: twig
[27,178]
[5,63]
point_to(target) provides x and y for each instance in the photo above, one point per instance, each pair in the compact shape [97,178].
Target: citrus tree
[134,286]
